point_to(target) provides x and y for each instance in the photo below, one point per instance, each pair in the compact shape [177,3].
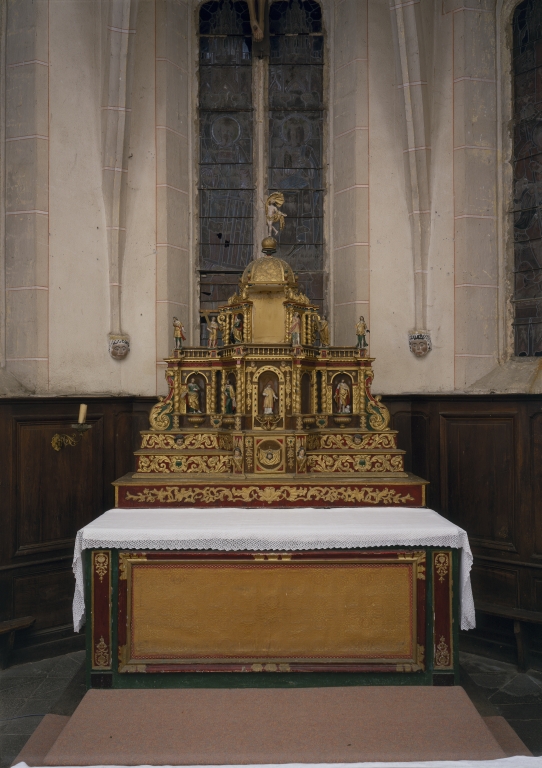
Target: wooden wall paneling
[478,476]
[57,491]
[45,593]
[536,485]
[495,584]
[46,496]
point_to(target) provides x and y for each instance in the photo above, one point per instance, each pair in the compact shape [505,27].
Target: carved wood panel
[478,477]
[58,491]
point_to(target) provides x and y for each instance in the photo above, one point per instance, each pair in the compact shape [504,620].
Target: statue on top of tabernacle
[323,328]
[295,330]
[342,397]
[230,404]
[212,330]
[269,396]
[178,333]
[272,213]
[361,333]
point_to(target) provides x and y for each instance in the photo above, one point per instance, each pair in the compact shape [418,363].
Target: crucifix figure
[256,9]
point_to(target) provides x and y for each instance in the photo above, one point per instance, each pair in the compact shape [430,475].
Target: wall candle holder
[59,441]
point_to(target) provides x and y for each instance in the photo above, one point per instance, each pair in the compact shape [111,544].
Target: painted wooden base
[370,615]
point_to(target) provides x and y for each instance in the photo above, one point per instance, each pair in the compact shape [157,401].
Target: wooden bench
[520,617]
[7,636]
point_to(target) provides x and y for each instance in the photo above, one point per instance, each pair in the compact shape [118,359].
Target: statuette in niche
[295,330]
[419,343]
[342,397]
[269,396]
[192,394]
[323,328]
[230,401]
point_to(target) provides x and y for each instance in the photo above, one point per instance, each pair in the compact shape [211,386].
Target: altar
[270,533]
[267,595]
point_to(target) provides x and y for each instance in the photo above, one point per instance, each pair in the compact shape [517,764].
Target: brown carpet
[506,736]
[316,725]
[41,741]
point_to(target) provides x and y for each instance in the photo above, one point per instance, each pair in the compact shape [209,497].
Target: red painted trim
[101,609]
[442,609]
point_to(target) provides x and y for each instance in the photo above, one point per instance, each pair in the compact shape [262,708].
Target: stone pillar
[349,204]
[174,274]
[27,192]
[475,189]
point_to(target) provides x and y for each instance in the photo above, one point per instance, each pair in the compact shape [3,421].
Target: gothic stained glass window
[296,113]
[293,52]
[226,185]
[527,161]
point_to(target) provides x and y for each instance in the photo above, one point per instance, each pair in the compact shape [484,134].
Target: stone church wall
[101,174]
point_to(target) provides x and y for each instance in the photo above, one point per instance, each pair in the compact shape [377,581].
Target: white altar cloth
[272,529]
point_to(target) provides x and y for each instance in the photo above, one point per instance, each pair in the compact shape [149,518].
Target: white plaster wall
[392,271]
[78,266]
[78,258]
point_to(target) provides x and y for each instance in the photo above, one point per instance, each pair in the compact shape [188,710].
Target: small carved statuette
[295,330]
[419,343]
[269,396]
[212,330]
[342,397]
[178,333]
[238,459]
[236,336]
[301,459]
[230,401]
[272,213]
[323,329]
[361,333]
[192,392]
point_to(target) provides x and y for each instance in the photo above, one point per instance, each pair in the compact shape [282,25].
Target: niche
[306,393]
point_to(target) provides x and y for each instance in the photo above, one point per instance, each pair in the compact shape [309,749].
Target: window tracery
[292,51]
[527,162]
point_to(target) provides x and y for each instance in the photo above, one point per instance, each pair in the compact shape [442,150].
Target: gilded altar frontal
[272,416]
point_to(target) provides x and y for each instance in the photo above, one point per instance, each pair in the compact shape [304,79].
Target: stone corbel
[116,98]
[414,92]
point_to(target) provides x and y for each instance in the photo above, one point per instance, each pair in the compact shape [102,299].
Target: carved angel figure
[272,213]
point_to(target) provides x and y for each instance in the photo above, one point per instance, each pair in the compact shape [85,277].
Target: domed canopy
[268,270]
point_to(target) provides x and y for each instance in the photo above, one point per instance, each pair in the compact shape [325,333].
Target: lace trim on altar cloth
[273,529]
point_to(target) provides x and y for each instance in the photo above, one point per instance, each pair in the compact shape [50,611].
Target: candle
[82,413]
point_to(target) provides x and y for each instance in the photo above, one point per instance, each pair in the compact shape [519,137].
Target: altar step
[251,726]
